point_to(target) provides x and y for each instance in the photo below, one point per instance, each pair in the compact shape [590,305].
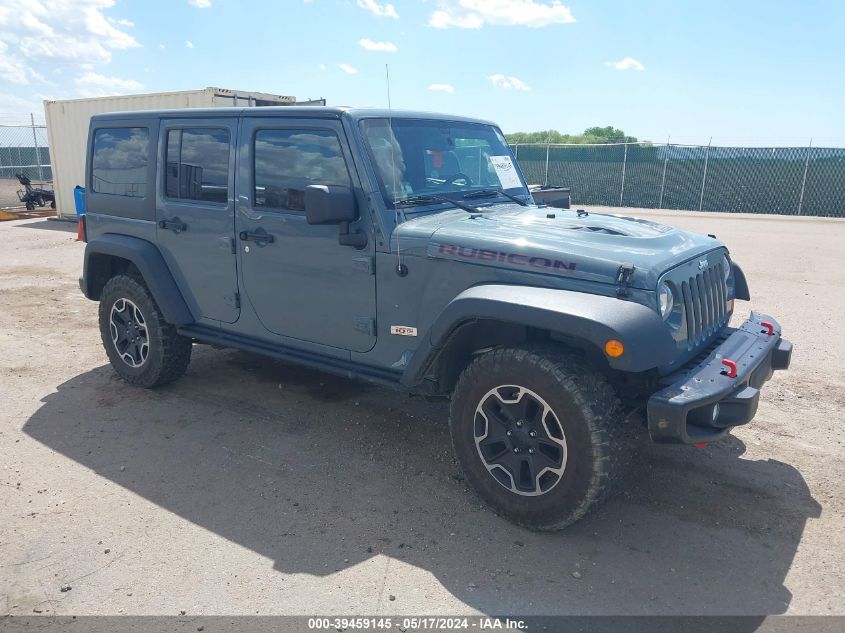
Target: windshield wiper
[489,193]
[423,199]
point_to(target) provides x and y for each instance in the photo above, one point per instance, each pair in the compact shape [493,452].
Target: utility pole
[704,177]
[37,150]
[804,179]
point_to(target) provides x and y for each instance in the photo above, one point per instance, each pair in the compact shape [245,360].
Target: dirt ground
[251,486]
[8,193]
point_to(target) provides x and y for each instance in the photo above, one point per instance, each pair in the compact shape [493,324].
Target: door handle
[176,225]
[260,237]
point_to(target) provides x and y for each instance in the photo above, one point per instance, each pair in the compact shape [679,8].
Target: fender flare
[740,284]
[148,260]
[592,318]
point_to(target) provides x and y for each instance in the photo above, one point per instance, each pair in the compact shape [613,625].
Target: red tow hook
[700,445]
[770,328]
[731,368]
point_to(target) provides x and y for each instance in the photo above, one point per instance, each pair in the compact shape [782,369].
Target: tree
[607,134]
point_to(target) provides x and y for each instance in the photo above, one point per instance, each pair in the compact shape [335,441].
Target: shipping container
[67,126]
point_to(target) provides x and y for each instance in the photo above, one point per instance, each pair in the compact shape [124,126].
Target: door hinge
[364,264]
[367,325]
[233,299]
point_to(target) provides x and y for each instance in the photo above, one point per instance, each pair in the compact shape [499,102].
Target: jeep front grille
[705,303]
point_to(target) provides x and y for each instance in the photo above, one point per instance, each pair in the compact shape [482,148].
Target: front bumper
[701,402]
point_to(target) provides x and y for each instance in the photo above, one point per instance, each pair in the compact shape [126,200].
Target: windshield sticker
[506,171]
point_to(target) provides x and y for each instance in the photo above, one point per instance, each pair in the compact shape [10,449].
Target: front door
[195,212]
[301,282]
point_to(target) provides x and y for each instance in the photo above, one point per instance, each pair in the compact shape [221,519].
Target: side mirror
[329,204]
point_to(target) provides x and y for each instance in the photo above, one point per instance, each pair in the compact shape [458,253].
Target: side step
[336,366]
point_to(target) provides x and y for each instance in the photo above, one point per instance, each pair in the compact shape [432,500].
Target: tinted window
[197,164]
[119,165]
[287,161]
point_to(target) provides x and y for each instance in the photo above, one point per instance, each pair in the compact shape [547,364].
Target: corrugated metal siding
[67,127]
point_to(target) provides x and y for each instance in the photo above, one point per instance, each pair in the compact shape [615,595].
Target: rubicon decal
[503,257]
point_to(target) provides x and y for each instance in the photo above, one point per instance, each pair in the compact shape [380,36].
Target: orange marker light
[614,348]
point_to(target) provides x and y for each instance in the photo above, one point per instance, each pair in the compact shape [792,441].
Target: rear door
[301,282]
[195,212]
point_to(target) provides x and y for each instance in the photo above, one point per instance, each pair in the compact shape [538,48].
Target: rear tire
[538,434]
[143,348]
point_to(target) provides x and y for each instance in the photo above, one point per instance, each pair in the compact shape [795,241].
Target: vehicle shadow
[320,473]
[63,226]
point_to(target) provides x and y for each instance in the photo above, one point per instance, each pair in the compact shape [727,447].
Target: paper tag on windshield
[506,171]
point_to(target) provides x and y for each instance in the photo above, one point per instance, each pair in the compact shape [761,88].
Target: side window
[197,164]
[119,164]
[287,161]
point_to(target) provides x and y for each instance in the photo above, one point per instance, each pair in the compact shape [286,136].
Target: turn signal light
[614,348]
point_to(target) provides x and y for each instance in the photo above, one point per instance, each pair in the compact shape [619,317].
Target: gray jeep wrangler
[405,249]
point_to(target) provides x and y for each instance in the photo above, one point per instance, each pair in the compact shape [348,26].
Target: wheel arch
[494,315]
[112,254]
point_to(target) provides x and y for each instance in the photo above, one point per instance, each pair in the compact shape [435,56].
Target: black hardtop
[326,112]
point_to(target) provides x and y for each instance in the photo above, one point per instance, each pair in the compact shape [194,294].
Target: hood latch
[623,278]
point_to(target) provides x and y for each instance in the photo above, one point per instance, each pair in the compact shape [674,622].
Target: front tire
[143,348]
[537,433]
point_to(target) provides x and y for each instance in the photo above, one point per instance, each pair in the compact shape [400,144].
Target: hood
[557,242]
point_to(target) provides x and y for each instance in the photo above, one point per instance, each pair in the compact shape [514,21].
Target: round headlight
[665,300]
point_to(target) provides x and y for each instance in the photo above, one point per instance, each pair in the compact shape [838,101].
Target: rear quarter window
[119,162]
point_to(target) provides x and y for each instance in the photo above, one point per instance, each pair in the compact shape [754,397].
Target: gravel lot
[254,487]
[8,193]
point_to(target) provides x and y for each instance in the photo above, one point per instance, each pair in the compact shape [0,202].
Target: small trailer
[558,197]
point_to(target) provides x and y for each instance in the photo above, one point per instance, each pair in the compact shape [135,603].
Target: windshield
[415,158]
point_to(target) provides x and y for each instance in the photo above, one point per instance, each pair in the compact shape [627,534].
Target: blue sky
[742,72]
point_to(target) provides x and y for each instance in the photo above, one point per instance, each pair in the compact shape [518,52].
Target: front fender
[740,284]
[591,318]
[148,260]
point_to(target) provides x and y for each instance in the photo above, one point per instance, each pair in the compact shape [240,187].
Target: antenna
[398,214]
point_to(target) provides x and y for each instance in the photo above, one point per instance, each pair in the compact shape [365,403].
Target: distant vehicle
[558,197]
[34,196]
[406,249]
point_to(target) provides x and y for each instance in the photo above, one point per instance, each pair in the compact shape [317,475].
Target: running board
[336,366]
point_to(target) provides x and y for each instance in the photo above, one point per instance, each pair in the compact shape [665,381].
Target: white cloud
[322,66]
[61,31]
[385,10]
[474,14]
[12,68]
[96,85]
[442,88]
[189,43]
[31,23]
[200,4]
[370,45]
[349,70]
[628,63]
[13,104]
[509,82]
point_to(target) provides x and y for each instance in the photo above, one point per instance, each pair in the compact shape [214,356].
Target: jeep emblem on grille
[702,264]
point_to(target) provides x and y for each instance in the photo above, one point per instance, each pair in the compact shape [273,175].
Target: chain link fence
[23,150]
[779,180]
